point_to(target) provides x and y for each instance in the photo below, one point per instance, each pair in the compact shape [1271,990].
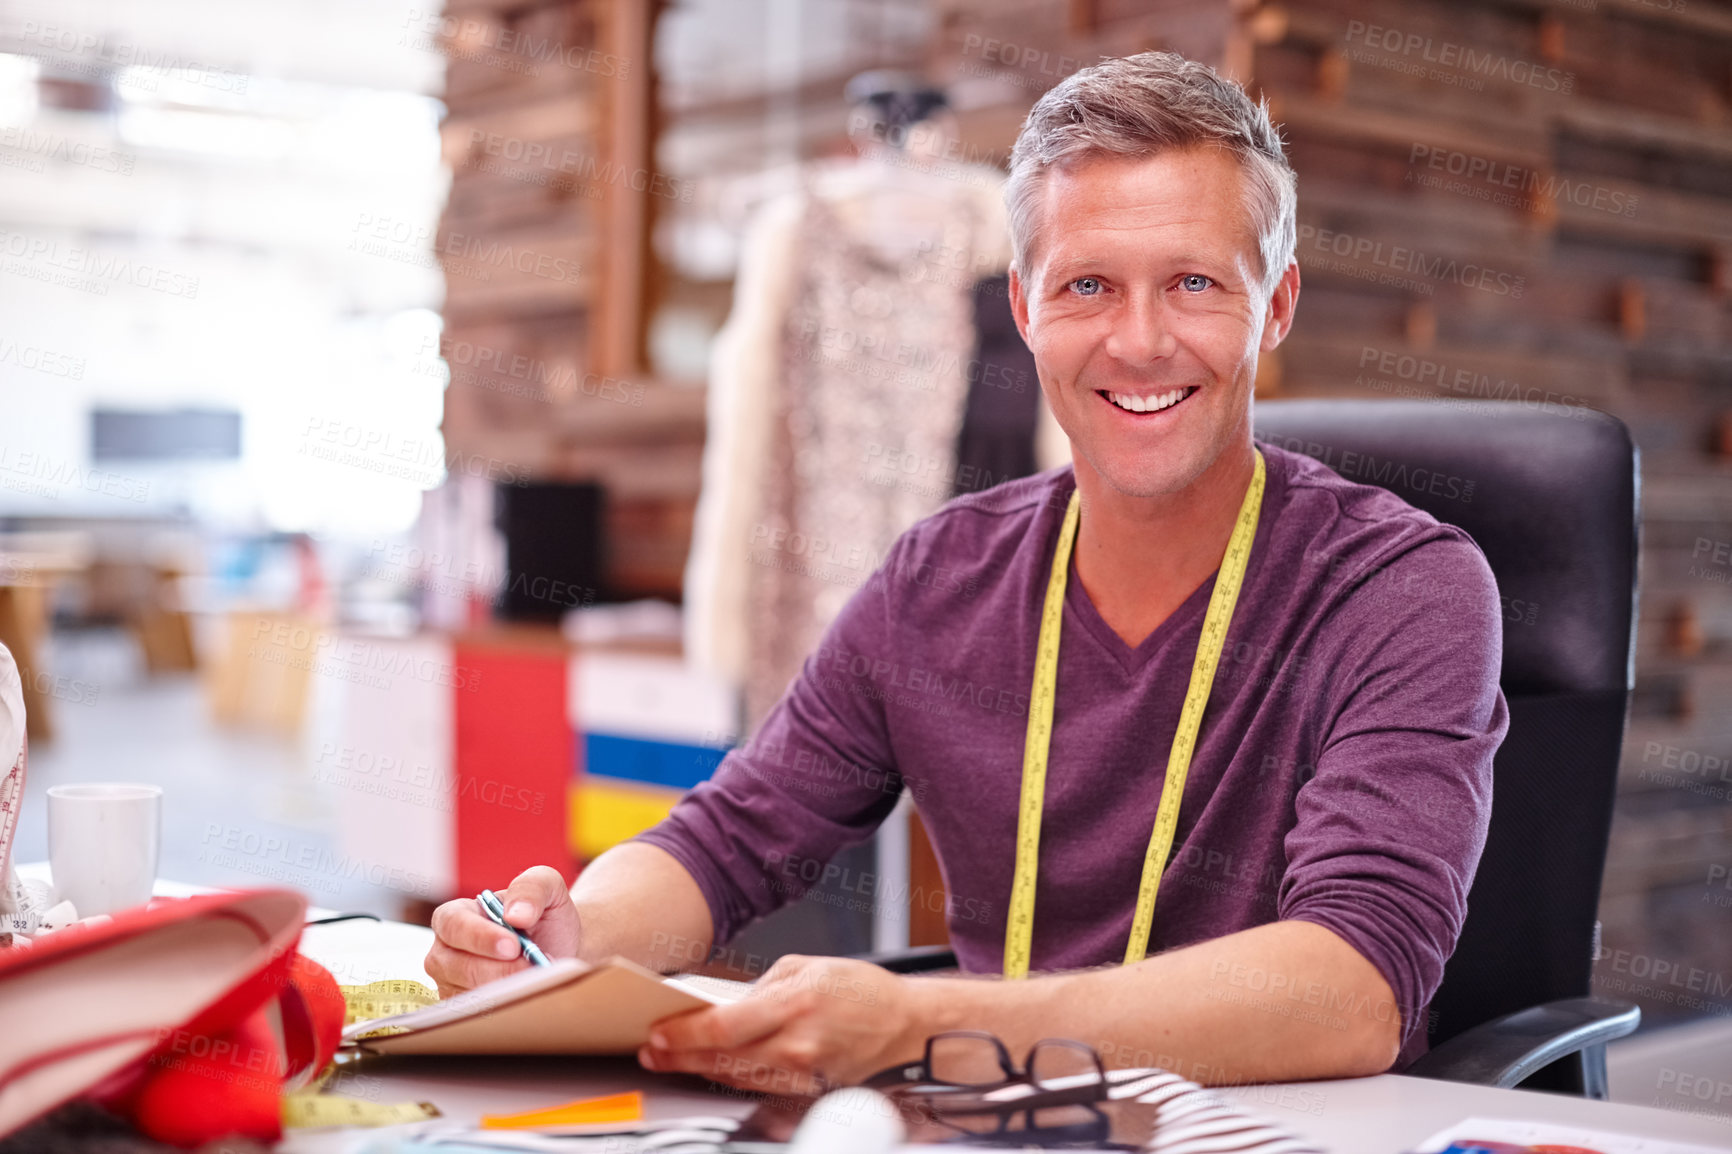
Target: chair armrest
[915,960]
[1506,1050]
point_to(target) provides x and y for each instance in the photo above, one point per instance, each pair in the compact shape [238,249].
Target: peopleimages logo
[1440,376]
[46,259]
[795,875]
[481,366]
[82,52]
[1529,184]
[1458,59]
[305,865]
[41,360]
[418,783]
[1385,471]
[65,150]
[45,475]
[579,165]
[471,39]
[1394,259]
[1665,979]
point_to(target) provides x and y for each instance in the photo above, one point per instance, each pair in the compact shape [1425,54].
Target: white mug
[103,841]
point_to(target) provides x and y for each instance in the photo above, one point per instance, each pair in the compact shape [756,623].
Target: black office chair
[1553,506]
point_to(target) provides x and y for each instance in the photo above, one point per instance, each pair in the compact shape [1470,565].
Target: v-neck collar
[1080,610]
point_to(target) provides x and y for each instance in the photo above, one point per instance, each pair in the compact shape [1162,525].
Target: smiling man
[1202,732]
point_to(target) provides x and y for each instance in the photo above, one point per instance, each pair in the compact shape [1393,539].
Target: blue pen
[495,911]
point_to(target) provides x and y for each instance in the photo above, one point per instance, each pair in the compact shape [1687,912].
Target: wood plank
[1634,128]
[1660,215]
[1399,133]
[623,253]
[490,203]
[1712,21]
[529,272]
[550,118]
[648,541]
[658,413]
[503,58]
[660,472]
[1692,315]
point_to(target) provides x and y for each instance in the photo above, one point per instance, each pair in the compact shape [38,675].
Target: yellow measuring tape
[383,999]
[1019,930]
[313,1111]
[309,1109]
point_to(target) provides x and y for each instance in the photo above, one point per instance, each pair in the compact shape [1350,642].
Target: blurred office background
[358,359]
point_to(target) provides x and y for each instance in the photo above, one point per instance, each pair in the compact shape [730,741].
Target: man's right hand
[472,950]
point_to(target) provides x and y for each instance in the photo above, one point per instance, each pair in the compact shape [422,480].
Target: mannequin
[850,338]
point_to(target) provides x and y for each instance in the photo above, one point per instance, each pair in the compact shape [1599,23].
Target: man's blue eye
[1087,286]
[1195,282]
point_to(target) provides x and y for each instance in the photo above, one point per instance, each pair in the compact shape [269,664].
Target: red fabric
[513,753]
[222,1071]
[312,1019]
[230,1083]
[203,1087]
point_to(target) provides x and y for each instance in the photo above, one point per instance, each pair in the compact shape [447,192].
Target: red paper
[514,751]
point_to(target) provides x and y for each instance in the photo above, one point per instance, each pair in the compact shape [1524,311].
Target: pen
[495,911]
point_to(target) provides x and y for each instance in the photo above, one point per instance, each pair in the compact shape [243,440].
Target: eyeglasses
[967,1083]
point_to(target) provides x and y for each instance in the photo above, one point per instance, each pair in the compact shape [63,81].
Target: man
[1335,804]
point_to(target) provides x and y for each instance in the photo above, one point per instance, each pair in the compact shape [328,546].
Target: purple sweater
[1342,775]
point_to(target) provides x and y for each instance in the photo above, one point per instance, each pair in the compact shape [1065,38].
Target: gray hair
[1142,105]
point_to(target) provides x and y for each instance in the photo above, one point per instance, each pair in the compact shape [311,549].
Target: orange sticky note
[627,1107]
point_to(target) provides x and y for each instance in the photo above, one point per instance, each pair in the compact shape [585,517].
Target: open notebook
[568,1007]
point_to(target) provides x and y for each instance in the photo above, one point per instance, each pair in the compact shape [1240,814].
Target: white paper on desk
[359,952]
[1523,1134]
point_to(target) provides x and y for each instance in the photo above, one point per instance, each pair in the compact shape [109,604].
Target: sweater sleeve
[1390,828]
[818,776]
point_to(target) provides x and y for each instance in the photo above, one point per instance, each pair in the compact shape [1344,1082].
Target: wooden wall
[1542,193]
[544,245]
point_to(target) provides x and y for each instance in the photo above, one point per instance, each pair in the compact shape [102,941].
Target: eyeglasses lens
[964,1060]
[1061,1065]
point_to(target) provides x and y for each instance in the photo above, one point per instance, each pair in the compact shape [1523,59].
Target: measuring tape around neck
[1019,929]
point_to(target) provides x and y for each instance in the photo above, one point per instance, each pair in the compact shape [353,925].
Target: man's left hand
[810,1023]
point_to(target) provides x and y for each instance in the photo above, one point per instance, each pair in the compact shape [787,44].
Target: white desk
[1381,1115]
[1392,1113]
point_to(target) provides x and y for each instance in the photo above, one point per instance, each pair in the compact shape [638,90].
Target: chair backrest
[1551,499]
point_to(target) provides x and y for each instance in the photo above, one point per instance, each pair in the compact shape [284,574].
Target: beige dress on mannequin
[849,339]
